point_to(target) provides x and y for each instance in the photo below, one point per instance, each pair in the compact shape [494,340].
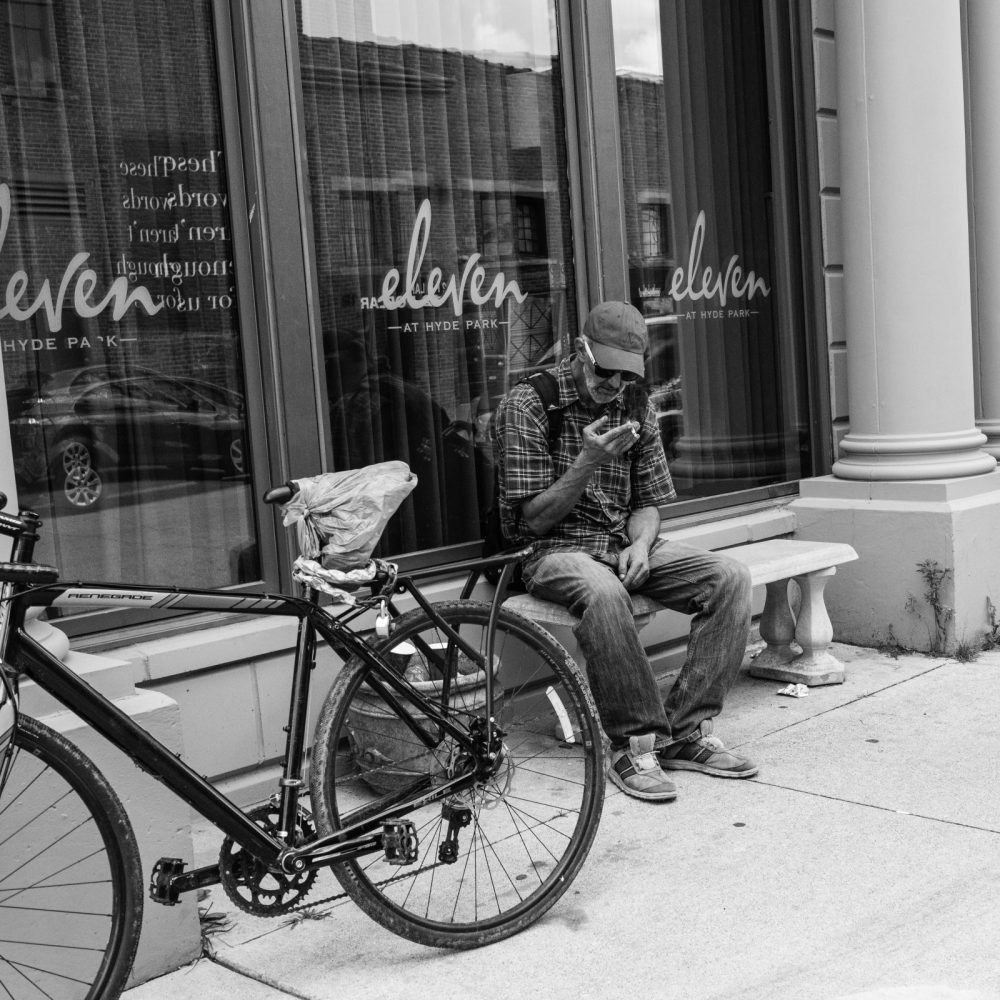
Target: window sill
[214,646]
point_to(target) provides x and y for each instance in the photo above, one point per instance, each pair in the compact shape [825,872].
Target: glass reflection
[441,218]
[728,367]
[121,351]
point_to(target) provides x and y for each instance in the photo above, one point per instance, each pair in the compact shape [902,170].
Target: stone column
[983,124]
[912,482]
[906,243]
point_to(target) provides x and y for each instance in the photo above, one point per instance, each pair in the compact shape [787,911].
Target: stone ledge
[171,936]
[901,491]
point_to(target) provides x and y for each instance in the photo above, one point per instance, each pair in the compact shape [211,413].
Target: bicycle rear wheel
[492,859]
[70,877]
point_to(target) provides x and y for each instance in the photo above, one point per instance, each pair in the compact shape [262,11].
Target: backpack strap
[546,388]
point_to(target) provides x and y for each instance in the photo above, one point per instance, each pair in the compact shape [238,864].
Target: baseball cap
[617,335]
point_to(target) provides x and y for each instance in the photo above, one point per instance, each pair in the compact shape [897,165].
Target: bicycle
[454,809]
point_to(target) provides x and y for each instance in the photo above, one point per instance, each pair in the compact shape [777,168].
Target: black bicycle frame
[360,837]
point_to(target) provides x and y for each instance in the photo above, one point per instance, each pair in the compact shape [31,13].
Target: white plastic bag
[340,516]
[309,573]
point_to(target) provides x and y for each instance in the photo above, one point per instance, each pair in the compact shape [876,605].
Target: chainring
[250,884]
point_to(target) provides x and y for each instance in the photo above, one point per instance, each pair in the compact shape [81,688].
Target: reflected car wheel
[236,460]
[76,483]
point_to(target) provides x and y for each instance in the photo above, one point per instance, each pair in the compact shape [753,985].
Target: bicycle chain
[344,895]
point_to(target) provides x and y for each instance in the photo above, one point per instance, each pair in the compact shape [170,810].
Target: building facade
[244,241]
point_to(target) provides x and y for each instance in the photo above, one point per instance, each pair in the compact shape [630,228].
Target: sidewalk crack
[872,805]
[214,956]
[837,708]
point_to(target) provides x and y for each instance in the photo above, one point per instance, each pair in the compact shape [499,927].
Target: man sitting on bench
[591,508]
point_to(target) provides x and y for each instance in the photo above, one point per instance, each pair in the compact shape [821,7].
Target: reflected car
[88,425]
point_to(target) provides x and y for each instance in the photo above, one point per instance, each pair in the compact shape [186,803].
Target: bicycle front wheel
[493,858]
[70,878]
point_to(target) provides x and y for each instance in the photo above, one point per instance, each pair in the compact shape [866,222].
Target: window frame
[279,315]
[788,55]
[249,246]
[530,240]
[663,249]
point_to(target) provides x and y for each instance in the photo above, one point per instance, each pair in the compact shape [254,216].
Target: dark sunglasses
[607,372]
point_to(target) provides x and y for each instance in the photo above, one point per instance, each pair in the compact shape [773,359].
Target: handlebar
[283,493]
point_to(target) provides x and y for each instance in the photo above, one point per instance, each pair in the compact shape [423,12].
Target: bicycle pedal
[161,886]
[399,842]
[457,817]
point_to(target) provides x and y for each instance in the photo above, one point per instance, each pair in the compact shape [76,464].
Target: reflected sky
[636,27]
[508,26]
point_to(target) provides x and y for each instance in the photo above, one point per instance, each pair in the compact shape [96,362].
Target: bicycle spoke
[495,855]
[19,966]
[66,931]
[43,882]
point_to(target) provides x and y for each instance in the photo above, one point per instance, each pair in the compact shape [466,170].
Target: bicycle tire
[70,876]
[531,825]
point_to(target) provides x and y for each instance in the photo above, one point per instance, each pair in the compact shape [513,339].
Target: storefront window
[120,349]
[728,367]
[437,162]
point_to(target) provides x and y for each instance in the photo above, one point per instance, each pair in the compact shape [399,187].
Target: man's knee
[608,591]
[600,586]
[727,578]
[606,605]
[731,578]
[577,578]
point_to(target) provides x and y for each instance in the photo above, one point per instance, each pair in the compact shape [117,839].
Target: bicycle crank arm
[169,880]
[364,836]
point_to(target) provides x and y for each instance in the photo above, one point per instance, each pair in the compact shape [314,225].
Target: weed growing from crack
[887,644]
[991,637]
[934,577]
[300,916]
[966,652]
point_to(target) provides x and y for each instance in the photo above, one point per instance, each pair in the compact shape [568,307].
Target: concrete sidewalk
[863,862]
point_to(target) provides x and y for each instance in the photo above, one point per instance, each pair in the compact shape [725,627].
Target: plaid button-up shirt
[599,521]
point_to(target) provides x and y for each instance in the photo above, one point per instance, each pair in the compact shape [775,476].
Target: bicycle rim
[518,837]
[70,878]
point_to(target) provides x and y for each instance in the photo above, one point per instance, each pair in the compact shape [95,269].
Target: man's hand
[545,510]
[599,447]
[633,565]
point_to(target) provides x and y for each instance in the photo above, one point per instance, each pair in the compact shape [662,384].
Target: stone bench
[772,563]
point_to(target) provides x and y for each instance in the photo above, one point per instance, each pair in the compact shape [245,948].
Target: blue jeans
[713,588]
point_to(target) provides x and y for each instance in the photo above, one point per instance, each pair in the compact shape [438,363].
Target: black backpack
[547,388]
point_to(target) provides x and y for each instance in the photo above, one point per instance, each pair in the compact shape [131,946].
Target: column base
[895,527]
[905,457]
[991,428]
